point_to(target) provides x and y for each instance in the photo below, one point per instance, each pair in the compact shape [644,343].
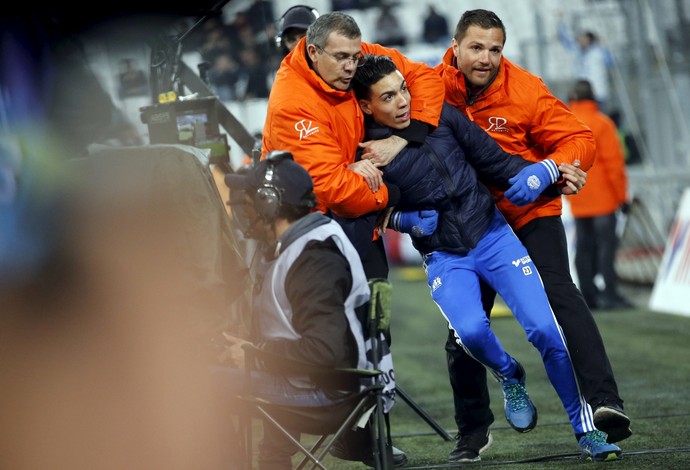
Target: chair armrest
[334,378]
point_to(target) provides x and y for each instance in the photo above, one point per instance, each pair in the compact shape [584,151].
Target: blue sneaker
[594,447]
[520,411]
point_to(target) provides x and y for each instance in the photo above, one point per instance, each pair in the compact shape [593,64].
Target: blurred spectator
[217,39]
[223,76]
[132,79]
[293,25]
[240,22]
[253,76]
[100,364]
[592,60]
[435,28]
[244,31]
[260,15]
[389,31]
[595,207]
[339,5]
[97,361]
[54,107]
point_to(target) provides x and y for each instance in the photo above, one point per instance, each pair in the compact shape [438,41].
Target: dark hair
[485,19]
[335,21]
[582,90]
[371,69]
[292,212]
[590,36]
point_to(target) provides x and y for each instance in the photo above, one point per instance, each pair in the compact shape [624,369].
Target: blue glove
[531,181]
[417,223]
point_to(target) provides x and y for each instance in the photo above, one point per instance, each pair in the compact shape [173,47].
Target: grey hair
[328,23]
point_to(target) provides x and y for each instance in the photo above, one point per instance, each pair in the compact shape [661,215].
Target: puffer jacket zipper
[449,186]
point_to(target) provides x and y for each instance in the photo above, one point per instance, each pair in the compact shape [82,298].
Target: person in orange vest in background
[595,207]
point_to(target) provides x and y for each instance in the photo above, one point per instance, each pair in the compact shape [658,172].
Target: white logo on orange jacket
[497,124]
[304,129]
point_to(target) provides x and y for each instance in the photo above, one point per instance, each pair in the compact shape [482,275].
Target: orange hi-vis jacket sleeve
[322,127]
[607,182]
[525,118]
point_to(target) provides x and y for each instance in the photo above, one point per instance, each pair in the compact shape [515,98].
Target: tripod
[423,414]
[379,314]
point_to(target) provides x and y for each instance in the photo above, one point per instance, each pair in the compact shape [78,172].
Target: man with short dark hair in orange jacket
[516,108]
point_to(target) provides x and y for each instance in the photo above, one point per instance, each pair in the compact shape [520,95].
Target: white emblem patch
[497,124]
[523,260]
[533,182]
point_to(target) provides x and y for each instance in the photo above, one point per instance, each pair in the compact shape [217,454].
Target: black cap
[299,17]
[289,178]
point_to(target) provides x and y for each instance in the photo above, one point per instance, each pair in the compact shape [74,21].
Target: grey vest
[275,320]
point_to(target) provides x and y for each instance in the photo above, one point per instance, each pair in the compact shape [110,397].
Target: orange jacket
[322,127]
[607,182]
[524,117]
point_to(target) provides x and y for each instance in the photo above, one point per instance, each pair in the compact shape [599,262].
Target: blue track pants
[503,262]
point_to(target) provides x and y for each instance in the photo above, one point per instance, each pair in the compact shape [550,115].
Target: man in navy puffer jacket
[472,239]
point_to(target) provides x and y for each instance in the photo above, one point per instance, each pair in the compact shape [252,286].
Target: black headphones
[267,201]
[281,22]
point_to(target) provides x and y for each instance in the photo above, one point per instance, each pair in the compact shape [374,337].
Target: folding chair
[360,395]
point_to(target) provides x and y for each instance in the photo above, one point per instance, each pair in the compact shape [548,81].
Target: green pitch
[649,353]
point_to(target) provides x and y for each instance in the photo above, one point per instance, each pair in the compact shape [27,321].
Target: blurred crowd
[242,54]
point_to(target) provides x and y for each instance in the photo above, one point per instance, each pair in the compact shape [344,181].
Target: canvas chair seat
[360,395]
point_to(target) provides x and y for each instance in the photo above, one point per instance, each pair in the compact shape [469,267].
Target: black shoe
[399,459]
[611,419]
[339,451]
[613,303]
[469,446]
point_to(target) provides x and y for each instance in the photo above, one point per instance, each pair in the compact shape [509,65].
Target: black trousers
[595,254]
[546,243]
[360,231]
